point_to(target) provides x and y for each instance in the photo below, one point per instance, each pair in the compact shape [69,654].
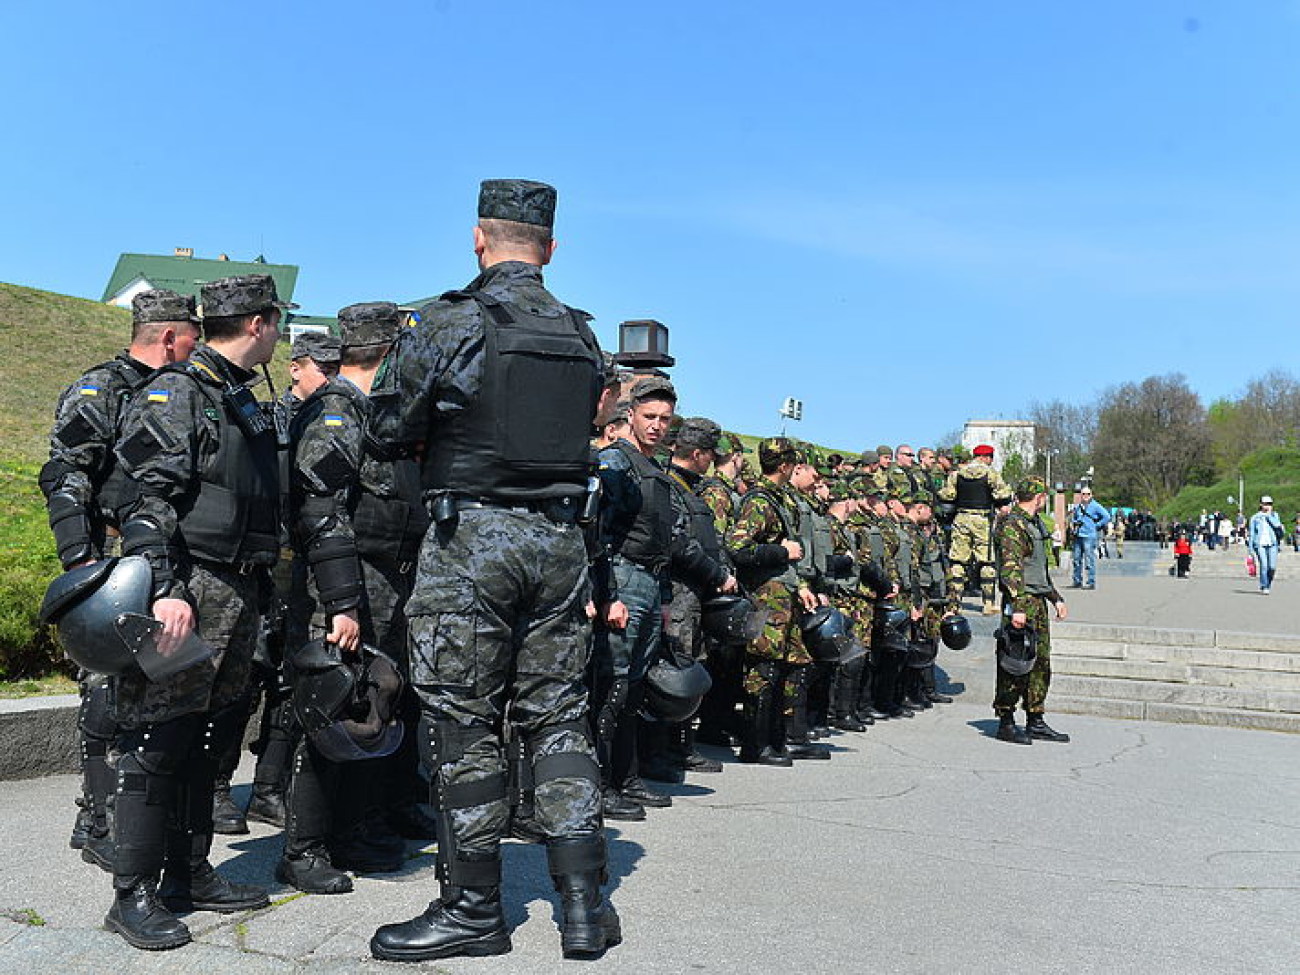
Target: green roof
[187,274]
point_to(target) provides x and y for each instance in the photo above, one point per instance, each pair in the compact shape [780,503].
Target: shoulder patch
[88,389]
[333,419]
[158,396]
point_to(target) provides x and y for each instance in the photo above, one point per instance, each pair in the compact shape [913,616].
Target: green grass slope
[1273,470]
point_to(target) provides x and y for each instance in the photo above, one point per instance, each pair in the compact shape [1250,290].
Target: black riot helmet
[674,685]
[827,634]
[1017,649]
[102,612]
[954,631]
[347,704]
[731,618]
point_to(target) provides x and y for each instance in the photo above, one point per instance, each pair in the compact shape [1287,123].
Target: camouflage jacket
[1015,546]
[768,516]
[976,469]
[86,425]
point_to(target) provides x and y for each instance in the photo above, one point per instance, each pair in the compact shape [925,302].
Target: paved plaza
[925,845]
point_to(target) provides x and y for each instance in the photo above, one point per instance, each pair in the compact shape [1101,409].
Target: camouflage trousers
[1032,687]
[227,618]
[972,541]
[497,617]
[779,639]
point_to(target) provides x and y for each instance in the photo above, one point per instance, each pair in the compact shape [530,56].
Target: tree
[1066,431]
[1152,438]
[1266,415]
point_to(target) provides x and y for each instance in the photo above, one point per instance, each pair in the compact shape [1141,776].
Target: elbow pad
[333,561]
[71,526]
[140,536]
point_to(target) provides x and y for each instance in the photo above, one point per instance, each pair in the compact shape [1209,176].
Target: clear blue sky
[905,213]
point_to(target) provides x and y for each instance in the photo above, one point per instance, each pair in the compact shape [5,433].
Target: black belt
[563,511]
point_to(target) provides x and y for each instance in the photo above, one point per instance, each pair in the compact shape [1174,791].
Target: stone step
[1226,657]
[1170,692]
[1175,672]
[1178,713]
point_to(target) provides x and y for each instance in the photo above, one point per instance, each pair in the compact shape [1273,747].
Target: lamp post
[643,346]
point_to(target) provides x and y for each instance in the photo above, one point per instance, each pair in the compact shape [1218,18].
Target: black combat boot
[266,806]
[589,924]
[760,714]
[138,916]
[695,762]
[312,873]
[227,818]
[934,697]
[636,790]
[463,921]
[1007,731]
[616,806]
[196,886]
[1038,728]
[658,760]
[81,826]
[847,722]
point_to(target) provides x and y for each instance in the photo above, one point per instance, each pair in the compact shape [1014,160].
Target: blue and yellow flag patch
[333,420]
[89,390]
[159,395]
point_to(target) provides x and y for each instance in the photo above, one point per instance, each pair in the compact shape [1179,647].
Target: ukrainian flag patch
[333,420]
[89,390]
[159,395]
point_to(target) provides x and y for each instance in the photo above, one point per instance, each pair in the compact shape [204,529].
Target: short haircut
[514,234]
[145,333]
[228,326]
[363,356]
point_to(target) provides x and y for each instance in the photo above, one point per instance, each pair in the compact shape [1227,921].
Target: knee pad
[95,718]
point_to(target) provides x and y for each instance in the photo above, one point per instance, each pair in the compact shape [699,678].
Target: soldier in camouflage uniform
[880,476]
[937,601]
[497,389]
[84,488]
[718,725]
[1028,595]
[976,489]
[203,453]
[764,544]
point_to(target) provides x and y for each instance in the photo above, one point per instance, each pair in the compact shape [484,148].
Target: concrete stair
[1216,677]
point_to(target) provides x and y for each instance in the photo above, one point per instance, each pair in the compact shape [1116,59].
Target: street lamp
[643,344]
[791,409]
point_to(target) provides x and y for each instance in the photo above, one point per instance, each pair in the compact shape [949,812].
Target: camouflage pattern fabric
[498,615]
[972,541]
[226,607]
[1015,547]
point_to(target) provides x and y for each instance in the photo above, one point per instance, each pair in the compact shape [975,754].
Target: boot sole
[177,942]
[492,944]
[188,906]
[590,940]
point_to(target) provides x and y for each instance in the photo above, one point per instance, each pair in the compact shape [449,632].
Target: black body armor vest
[647,540]
[526,435]
[235,515]
[974,493]
[699,522]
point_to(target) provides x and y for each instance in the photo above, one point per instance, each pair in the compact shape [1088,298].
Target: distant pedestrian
[1088,520]
[1265,537]
[1183,555]
[1295,534]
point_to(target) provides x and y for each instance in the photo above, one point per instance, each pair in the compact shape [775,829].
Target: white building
[1007,437]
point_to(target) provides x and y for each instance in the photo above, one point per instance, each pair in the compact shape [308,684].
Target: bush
[1273,470]
[27,565]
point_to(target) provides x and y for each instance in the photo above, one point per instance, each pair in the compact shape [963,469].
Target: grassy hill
[1273,470]
[46,342]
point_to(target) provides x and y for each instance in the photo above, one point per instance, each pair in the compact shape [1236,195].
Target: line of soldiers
[425,567]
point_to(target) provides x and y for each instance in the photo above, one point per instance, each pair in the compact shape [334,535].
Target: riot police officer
[496,389]
[204,455]
[84,487]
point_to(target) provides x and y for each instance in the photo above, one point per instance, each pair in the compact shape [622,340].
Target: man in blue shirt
[1088,519]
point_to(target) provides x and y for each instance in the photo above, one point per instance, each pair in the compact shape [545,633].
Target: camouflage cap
[699,432]
[841,489]
[775,451]
[884,450]
[653,387]
[945,453]
[1031,486]
[319,346]
[747,471]
[869,457]
[369,323]
[163,306]
[518,200]
[246,294]
[730,443]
